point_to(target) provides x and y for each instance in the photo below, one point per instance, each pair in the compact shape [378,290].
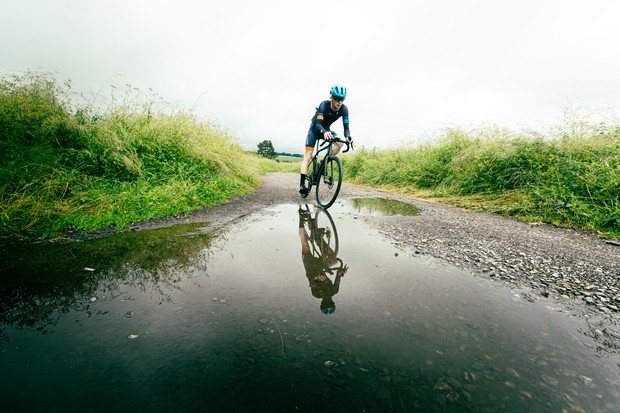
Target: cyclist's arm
[345,121]
[320,117]
[319,124]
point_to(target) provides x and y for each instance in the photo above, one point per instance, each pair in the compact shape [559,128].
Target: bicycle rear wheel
[329,182]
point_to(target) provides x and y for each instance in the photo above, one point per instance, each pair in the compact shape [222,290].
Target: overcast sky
[259,68]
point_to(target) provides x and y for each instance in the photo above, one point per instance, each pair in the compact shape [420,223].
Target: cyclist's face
[336,103]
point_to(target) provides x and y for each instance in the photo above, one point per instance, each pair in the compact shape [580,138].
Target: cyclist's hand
[351,141]
[328,136]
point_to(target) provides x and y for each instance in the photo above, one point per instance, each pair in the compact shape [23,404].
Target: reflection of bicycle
[326,174]
[319,249]
[321,232]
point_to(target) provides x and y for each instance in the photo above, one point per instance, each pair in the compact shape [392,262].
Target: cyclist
[327,113]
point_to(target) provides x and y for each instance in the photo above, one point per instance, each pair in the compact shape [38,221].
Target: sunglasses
[338,99]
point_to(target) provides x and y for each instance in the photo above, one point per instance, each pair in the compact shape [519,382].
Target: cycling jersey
[323,119]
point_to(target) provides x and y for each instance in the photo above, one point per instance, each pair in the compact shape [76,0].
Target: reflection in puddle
[384,206]
[319,250]
[180,319]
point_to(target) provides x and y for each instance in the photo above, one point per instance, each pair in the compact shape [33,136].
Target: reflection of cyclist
[327,113]
[320,284]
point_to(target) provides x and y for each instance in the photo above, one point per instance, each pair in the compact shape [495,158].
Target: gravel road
[568,266]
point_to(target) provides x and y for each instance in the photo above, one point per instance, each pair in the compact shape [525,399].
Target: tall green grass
[569,176]
[71,166]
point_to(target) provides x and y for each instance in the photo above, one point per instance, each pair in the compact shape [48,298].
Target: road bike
[326,174]
[322,238]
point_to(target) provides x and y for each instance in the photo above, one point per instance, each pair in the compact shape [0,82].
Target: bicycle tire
[329,182]
[326,236]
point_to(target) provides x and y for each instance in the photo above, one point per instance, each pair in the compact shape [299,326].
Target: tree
[265,148]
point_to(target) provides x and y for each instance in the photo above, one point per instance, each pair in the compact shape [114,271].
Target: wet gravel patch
[553,262]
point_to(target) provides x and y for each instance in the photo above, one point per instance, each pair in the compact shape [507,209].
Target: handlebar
[336,139]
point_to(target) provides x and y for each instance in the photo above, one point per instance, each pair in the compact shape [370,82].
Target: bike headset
[338,91]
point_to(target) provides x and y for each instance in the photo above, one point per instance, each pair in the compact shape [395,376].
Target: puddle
[383,207]
[285,311]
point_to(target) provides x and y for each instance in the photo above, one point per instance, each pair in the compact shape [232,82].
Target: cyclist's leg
[336,146]
[303,235]
[303,169]
[306,161]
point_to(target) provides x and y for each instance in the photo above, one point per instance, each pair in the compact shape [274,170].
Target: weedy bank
[568,176]
[107,162]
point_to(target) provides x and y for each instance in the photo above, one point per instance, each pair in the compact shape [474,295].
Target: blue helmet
[338,91]
[328,310]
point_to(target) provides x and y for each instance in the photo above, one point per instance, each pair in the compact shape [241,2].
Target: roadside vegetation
[109,161]
[70,164]
[568,177]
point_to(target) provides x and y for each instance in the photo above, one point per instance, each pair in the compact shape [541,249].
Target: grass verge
[569,177]
[81,168]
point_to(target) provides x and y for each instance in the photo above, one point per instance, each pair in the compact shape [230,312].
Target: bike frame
[315,158]
[326,175]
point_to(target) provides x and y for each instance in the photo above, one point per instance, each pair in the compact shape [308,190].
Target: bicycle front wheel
[329,182]
[326,235]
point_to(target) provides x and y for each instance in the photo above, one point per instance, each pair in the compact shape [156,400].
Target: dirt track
[566,265]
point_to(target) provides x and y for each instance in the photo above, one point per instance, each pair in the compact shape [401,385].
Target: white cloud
[260,68]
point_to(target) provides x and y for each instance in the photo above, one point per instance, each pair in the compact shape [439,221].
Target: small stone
[92,299]
[132,336]
[442,386]
[549,380]
[512,372]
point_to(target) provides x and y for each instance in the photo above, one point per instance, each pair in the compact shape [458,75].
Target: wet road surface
[284,310]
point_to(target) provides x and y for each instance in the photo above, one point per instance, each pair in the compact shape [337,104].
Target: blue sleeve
[345,121]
